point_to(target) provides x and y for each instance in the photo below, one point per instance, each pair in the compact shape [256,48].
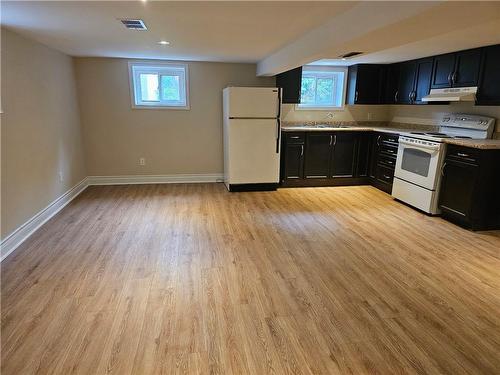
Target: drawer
[389,139]
[295,138]
[387,161]
[385,174]
[387,150]
[463,154]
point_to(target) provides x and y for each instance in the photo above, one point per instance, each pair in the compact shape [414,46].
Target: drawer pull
[295,137]
[463,155]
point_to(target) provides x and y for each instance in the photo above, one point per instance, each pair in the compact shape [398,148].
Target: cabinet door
[489,84]
[290,82]
[442,71]
[317,155]
[374,153]
[363,144]
[343,154]
[294,161]
[467,68]
[368,84]
[391,84]
[457,188]
[406,81]
[422,80]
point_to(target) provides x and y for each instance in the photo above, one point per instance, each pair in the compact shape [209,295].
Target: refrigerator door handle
[278,122]
[278,128]
[278,113]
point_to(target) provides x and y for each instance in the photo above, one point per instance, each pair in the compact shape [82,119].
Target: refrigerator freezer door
[252,156]
[253,102]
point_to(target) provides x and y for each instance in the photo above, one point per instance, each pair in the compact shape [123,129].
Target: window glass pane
[170,88]
[308,90]
[322,88]
[163,85]
[324,91]
[149,87]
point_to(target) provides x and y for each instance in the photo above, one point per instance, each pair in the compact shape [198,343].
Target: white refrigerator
[251,138]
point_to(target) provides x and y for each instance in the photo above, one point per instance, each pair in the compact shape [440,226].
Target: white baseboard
[16,238]
[154,179]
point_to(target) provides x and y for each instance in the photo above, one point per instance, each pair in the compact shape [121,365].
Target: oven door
[418,164]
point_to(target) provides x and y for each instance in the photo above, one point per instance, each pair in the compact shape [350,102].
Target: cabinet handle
[396,96]
[410,95]
[295,137]
[335,139]
[356,97]
[378,140]
[386,177]
[442,169]
[331,139]
[449,78]
[302,150]
[463,155]
[453,78]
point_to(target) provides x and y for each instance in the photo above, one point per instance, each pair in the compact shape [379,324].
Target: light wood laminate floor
[191,279]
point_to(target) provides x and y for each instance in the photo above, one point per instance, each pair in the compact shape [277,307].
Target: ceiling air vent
[134,24]
[350,54]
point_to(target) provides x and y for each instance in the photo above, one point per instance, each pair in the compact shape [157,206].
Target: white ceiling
[207,31]
[278,35]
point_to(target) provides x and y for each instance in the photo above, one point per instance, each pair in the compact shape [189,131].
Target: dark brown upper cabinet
[364,84]
[290,82]
[407,73]
[391,81]
[459,69]
[489,82]
[422,80]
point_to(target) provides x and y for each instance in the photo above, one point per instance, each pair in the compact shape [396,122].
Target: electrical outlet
[142,161]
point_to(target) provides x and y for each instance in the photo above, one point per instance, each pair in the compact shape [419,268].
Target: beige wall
[40,129]
[349,113]
[172,141]
[413,114]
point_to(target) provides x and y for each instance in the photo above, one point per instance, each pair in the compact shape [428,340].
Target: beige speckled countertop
[485,144]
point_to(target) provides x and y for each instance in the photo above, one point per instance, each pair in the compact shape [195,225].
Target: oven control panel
[419,142]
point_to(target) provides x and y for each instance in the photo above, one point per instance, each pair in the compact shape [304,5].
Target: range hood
[462,94]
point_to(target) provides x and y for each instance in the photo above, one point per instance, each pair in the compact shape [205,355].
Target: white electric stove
[420,158]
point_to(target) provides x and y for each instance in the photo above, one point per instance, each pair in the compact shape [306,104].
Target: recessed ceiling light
[163,43]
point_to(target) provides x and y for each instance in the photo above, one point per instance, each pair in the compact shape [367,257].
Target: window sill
[186,108]
[326,109]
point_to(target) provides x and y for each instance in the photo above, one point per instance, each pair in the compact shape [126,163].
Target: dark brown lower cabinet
[325,158]
[317,155]
[469,187]
[383,160]
[343,155]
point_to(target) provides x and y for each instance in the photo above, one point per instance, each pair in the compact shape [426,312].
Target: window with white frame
[323,87]
[159,85]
